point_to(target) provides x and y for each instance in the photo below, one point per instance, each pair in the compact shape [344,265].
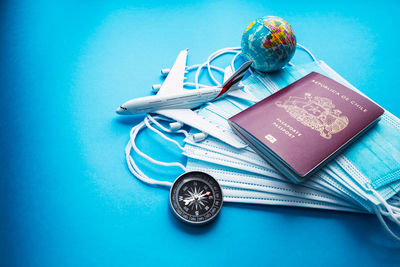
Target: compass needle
[196,198]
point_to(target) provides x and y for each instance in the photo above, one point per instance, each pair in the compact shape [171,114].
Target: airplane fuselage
[185,99]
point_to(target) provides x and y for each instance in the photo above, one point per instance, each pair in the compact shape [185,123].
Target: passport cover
[300,127]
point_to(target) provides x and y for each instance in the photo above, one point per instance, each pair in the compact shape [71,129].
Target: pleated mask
[368,172]
[364,178]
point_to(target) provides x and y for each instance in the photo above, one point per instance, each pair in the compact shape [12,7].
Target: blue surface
[67,198]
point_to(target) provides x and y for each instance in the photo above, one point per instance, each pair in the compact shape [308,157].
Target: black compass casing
[196,198]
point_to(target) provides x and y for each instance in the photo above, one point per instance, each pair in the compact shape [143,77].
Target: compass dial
[196,197]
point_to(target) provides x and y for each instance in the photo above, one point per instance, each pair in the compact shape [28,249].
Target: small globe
[269,42]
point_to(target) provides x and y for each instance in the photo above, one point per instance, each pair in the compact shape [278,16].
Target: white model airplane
[175,102]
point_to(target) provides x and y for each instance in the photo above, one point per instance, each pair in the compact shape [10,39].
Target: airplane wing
[174,81]
[191,118]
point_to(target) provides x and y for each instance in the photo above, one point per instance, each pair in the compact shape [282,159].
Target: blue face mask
[365,177]
[374,160]
[368,171]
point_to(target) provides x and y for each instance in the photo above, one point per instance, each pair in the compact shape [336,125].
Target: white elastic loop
[394,207]
[233,61]
[146,121]
[131,163]
[196,77]
[216,55]
[135,130]
[134,169]
[212,57]
[140,175]
[196,66]
[395,201]
[393,216]
[382,221]
[168,164]
[389,209]
[387,214]
[133,134]
[154,120]
[308,51]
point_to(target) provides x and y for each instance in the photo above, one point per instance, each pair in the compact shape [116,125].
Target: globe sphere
[269,42]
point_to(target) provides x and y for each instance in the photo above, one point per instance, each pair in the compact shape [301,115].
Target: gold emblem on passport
[317,113]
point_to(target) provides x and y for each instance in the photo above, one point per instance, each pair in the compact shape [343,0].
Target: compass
[196,197]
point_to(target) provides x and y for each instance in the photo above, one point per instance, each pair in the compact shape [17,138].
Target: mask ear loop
[159,125]
[135,130]
[388,207]
[382,221]
[389,212]
[211,58]
[146,121]
[395,202]
[134,169]
[197,66]
[238,52]
[229,50]
[234,60]
[307,51]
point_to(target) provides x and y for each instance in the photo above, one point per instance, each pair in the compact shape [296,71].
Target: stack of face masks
[364,178]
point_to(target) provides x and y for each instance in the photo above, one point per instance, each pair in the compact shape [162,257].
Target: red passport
[302,126]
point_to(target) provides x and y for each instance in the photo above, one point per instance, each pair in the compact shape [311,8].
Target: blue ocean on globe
[269,42]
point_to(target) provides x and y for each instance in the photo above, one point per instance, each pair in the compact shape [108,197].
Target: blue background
[66,195]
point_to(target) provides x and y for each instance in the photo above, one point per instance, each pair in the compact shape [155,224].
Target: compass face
[196,197]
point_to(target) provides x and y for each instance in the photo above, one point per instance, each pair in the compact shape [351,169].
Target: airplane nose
[121,110]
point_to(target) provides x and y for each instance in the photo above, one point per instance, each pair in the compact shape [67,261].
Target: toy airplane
[175,102]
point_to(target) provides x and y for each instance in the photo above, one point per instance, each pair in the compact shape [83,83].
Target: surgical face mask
[213,153]
[368,171]
[373,162]
[239,186]
[345,184]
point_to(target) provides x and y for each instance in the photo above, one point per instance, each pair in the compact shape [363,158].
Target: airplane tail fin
[234,79]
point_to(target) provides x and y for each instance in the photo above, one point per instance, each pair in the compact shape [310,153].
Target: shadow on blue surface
[192,229]
[128,120]
[67,196]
